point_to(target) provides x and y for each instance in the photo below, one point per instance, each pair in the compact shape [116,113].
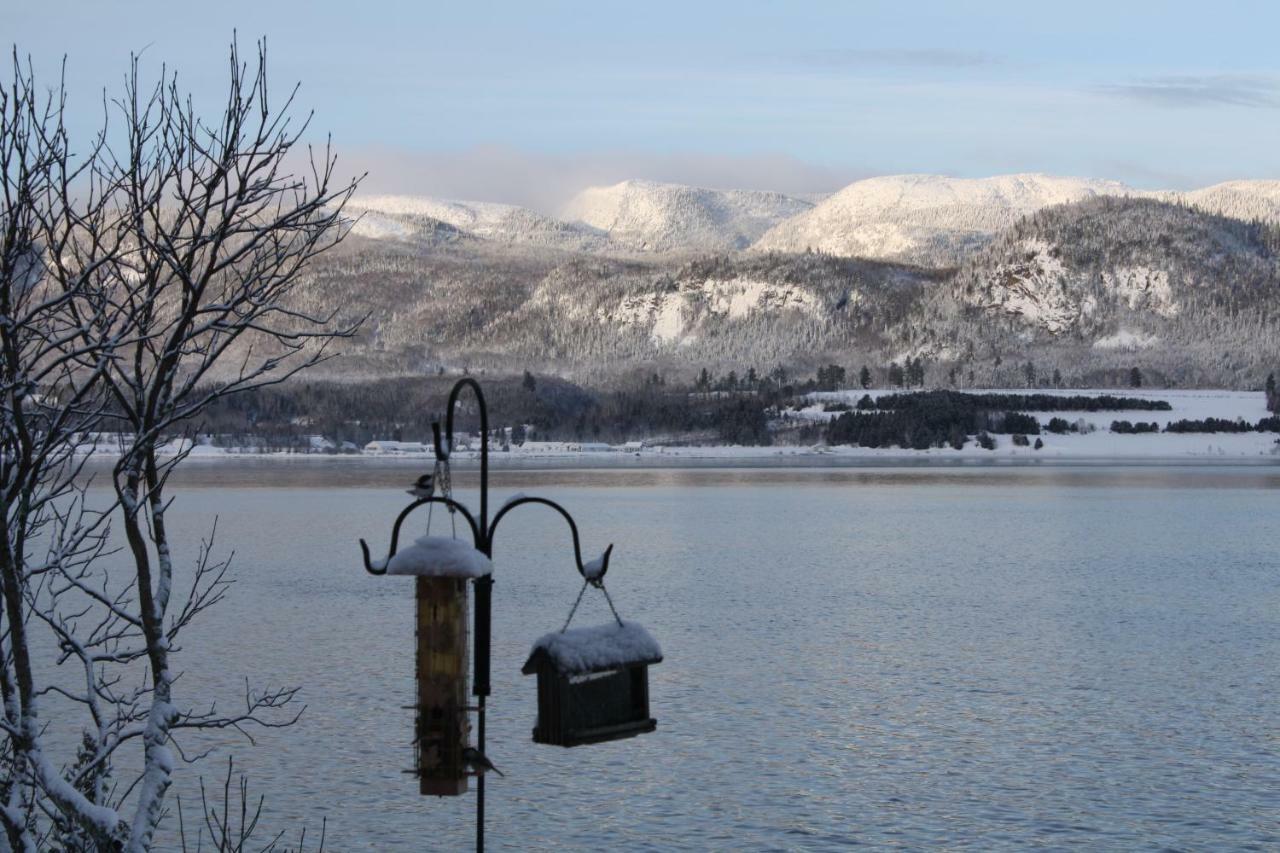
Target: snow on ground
[1102,443]
[1126,339]
[1187,404]
[375,226]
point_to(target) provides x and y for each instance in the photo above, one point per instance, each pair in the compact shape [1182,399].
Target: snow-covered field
[1102,443]
[1098,444]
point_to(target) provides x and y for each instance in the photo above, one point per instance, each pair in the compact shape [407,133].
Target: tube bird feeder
[440,567]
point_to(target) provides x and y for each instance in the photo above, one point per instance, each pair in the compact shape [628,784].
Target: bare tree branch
[142,280]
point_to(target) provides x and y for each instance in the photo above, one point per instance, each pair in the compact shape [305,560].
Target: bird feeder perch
[593,684]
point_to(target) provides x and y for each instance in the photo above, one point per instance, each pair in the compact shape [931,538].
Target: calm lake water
[916,658]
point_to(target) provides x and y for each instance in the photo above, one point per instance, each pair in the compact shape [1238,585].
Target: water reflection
[355,472]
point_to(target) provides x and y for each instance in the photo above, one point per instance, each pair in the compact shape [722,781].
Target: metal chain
[609,599]
[599,585]
[574,609]
[444,480]
[431,507]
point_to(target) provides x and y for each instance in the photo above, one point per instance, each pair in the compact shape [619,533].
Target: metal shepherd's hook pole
[484,585]
[482,532]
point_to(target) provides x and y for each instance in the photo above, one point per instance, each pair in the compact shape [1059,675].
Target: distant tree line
[1026,402]
[520,407]
[929,419]
[1061,426]
[1222,425]
[925,419]
[746,407]
[1130,428]
[920,430]
[1210,425]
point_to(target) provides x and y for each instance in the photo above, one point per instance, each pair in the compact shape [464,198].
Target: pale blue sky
[527,101]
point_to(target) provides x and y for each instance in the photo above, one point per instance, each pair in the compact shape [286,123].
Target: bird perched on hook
[476,762]
[424,486]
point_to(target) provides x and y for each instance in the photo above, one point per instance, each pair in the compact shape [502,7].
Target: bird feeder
[593,684]
[440,567]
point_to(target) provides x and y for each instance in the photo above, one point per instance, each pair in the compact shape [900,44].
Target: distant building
[565,447]
[387,447]
[545,447]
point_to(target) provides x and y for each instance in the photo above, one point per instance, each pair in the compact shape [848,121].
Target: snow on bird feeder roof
[440,557]
[595,568]
[595,649]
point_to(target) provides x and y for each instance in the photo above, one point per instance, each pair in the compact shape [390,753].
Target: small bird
[476,762]
[424,486]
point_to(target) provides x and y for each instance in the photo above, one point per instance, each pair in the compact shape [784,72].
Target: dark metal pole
[483,586]
[483,534]
[480,785]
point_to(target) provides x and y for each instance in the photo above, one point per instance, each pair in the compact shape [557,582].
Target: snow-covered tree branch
[142,278]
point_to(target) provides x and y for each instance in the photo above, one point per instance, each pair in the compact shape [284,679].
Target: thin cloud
[893,58]
[545,181]
[1145,176]
[1237,90]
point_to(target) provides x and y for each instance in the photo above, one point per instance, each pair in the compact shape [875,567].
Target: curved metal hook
[447,445]
[573,529]
[598,580]
[395,530]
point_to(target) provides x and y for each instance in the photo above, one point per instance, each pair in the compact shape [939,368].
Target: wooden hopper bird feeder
[593,684]
[441,567]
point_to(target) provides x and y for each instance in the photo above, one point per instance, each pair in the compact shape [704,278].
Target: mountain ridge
[925,217]
[655,216]
[933,220]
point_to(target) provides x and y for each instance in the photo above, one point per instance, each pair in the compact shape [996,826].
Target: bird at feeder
[424,486]
[475,761]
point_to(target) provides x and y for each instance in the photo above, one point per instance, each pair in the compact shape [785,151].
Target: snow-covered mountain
[660,217]
[409,217]
[1112,274]
[929,220]
[925,218]
[1090,288]
[1238,199]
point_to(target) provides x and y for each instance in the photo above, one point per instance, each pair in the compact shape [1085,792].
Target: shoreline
[1088,443]
[799,460]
